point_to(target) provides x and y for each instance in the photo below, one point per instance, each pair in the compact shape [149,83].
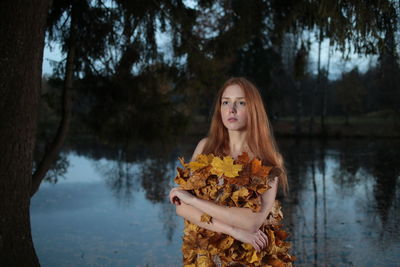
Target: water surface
[343,207]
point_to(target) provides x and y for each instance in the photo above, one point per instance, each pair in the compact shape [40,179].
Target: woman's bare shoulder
[199,147]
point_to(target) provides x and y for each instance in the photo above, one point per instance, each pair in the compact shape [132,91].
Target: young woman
[239,124]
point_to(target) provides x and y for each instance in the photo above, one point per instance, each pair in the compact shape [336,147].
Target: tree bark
[22,27]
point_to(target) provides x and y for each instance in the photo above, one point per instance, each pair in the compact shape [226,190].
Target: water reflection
[120,177]
[342,208]
[342,205]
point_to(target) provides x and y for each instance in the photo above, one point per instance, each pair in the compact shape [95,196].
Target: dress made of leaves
[232,183]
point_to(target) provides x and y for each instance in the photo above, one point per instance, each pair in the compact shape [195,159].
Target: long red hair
[260,138]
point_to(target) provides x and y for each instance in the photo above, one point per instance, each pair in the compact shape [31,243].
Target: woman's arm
[243,218]
[257,239]
[194,216]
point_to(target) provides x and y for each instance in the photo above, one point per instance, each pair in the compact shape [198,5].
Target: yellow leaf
[255,256]
[204,261]
[180,181]
[200,162]
[242,193]
[182,161]
[225,167]
[226,243]
[247,246]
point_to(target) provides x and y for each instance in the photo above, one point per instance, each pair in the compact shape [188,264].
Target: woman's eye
[224,102]
[242,103]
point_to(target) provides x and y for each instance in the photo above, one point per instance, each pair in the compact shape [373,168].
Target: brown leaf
[243,159]
[206,218]
[276,262]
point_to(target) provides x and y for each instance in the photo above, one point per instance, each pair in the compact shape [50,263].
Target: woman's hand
[258,239]
[177,194]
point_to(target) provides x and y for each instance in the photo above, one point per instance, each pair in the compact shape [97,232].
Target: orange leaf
[259,170]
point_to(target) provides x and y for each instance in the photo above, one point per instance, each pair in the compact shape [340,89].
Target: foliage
[140,64]
[232,183]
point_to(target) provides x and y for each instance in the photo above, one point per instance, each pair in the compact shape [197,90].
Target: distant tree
[350,93]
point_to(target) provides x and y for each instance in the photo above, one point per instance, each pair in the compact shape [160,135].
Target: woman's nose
[232,109]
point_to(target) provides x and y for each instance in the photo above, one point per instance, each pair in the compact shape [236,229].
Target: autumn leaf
[245,180]
[182,161]
[200,162]
[206,218]
[239,180]
[243,159]
[240,194]
[276,262]
[226,243]
[180,181]
[257,169]
[204,261]
[224,194]
[225,167]
[282,235]
[254,204]
[254,256]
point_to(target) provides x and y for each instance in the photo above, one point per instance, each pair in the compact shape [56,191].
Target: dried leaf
[240,196]
[257,169]
[182,161]
[203,260]
[243,159]
[282,235]
[200,162]
[276,262]
[226,243]
[254,256]
[225,167]
[206,218]
[244,181]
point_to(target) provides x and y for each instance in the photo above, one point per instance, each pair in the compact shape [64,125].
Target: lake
[342,209]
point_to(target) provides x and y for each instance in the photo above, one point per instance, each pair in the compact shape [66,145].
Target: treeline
[136,68]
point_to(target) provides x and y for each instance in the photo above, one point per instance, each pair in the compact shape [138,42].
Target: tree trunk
[325,95]
[299,108]
[22,27]
[55,147]
[314,94]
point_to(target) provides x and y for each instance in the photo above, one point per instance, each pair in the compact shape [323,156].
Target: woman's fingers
[172,196]
[265,238]
[259,242]
[176,200]
[261,237]
[255,245]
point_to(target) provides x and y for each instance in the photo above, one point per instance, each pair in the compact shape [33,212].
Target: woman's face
[233,108]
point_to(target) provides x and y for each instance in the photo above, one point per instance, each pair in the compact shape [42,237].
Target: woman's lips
[232,120]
